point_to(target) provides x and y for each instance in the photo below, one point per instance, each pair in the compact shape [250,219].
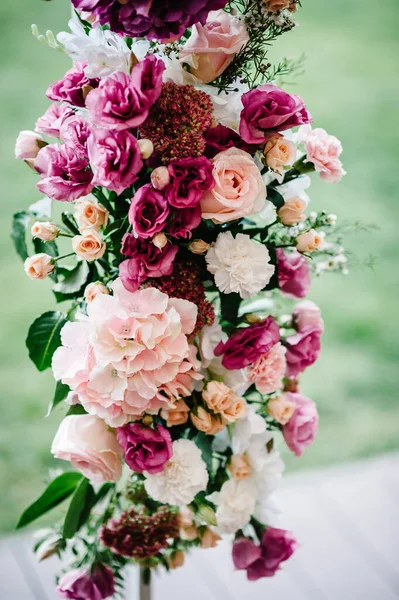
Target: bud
[28,145]
[93,289]
[209,539]
[309,241]
[252,318]
[48,548]
[198,247]
[147,420]
[146,148]
[39,266]
[160,240]
[291,385]
[160,178]
[45,231]
[207,514]
[175,560]
[292,211]
[133,60]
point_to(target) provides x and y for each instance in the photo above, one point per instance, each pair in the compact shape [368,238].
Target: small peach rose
[176,560]
[93,289]
[146,148]
[239,467]
[160,178]
[39,266]
[177,415]
[236,410]
[198,247]
[309,241]
[218,423]
[89,245]
[204,421]
[279,153]
[90,214]
[292,211]
[160,240]
[278,5]
[45,231]
[209,539]
[281,409]
[217,396]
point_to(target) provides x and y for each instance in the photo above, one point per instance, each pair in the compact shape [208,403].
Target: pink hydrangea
[268,371]
[131,355]
[323,150]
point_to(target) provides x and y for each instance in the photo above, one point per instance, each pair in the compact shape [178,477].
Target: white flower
[235,503]
[296,188]
[183,477]
[105,51]
[239,264]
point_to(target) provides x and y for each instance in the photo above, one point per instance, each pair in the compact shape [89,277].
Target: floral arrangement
[182,166]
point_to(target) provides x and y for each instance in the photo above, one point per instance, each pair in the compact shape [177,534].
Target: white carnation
[239,264]
[235,503]
[183,477]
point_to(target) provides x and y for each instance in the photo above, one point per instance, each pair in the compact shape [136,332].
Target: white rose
[235,503]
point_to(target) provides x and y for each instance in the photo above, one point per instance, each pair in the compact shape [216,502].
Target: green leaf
[50,248]
[230,304]
[70,222]
[74,280]
[61,392]
[275,197]
[79,508]
[20,222]
[58,490]
[204,443]
[44,338]
[76,409]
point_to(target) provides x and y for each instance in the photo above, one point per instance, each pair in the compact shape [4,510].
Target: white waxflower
[235,503]
[184,476]
[239,264]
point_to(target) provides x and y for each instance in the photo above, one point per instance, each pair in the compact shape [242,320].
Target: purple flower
[82,584]
[189,179]
[123,101]
[182,222]
[303,349]
[148,211]
[71,87]
[268,109]
[221,138]
[293,274]
[50,123]
[146,261]
[301,429]
[115,158]
[75,131]
[65,173]
[246,344]
[146,449]
[277,546]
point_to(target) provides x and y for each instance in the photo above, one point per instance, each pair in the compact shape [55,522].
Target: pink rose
[268,371]
[28,145]
[39,266]
[190,178]
[306,315]
[86,442]
[149,211]
[50,123]
[73,87]
[87,584]
[323,150]
[45,231]
[293,274]
[75,131]
[268,109]
[146,449]
[212,47]
[123,101]
[115,159]
[303,349]
[65,173]
[301,429]
[239,190]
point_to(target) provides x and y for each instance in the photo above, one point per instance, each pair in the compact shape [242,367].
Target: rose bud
[89,245]
[146,148]
[160,178]
[209,539]
[160,240]
[176,560]
[309,241]
[198,247]
[45,231]
[93,289]
[292,211]
[28,145]
[39,266]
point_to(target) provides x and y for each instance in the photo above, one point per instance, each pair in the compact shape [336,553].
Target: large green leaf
[20,222]
[275,197]
[50,248]
[79,508]
[61,392]
[204,443]
[73,282]
[58,490]
[44,338]
[230,304]
[70,222]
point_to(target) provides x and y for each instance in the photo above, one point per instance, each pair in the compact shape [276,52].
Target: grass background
[351,90]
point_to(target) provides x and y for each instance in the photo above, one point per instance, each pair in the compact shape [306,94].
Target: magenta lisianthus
[65,173]
[51,122]
[83,584]
[246,344]
[269,109]
[293,274]
[146,449]
[145,261]
[71,87]
[301,429]
[264,560]
[189,179]
[75,131]
[148,211]
[303,349]
[183,221]
[115,158]
[123,101]
[221,138]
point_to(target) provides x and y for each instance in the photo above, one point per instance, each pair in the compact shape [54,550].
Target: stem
[67,235]
[99,194]
[64,256]
[145,583]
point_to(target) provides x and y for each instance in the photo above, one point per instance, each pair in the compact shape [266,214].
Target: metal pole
[145,584]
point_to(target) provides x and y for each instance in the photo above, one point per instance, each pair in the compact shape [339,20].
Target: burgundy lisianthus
[268,108]
[115,159]
[277,546]
[83,584]
[182,221]
[148,211]
[221,138]
[146,449]
[75,131]
[123,101]
[246,344]
[71,87]
[303,349]
[65,173]
[293,274]
[145,261]
[301,429]
[50,123]
[189,179]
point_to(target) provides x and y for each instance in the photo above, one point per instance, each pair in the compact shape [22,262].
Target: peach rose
[292,211]
[93,289]
[218,396]
[89,245]
[39,266]
[239,467]
[279,153]
[204,421]
[177,415]
[239,191]
[209,539]
[160,178]
[212,47]
[236,410]
[281,409]
[268,370]
[90,214]
[45,231]
[309,241]
[176,560]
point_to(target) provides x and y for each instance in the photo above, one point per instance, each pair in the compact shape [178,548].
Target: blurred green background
[351,89]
